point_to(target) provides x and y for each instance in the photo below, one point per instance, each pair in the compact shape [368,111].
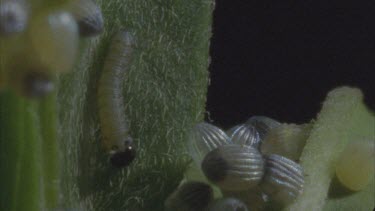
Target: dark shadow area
[280,58]
[337,190]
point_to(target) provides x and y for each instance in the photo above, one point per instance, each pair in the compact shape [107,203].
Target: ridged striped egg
[88,16]
[227,204]
[244,135]
[54,39]
[356,165]
[234,167]
[205,137]
[190,196]
[283,179]
[287,140]
[13,16]
[262,124]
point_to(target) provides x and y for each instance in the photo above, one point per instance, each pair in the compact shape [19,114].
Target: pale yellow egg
[356,165]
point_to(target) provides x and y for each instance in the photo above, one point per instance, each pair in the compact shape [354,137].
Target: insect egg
[356,165]
[227,204]
[262,124]
[113,121]
[234,167]
[283,179]
[13,16]
[89,17]
[287,140]
[54,39]
[205,137]
[190,196]
[245,135]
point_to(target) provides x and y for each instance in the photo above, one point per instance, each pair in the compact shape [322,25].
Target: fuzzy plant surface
[164,95]
[51,155]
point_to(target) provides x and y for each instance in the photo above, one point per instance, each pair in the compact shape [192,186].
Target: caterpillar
[114,126]
[88,16]
[13,16]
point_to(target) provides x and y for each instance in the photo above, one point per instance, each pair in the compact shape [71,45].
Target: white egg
[262,124]
[244,135]
[203,138]
[283,179]
[234,167]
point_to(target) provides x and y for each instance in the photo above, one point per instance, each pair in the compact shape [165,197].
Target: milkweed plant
[51,143]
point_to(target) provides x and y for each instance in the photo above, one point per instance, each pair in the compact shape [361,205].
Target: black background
[280,58]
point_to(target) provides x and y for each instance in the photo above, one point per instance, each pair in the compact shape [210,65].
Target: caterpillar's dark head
[123,156]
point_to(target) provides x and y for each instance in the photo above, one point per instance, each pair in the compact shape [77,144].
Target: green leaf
[165,95]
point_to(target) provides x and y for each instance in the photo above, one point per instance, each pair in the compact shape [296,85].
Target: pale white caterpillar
[88,16]
[114,125]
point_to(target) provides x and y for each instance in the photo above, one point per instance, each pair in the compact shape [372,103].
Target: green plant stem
[50,152]
[20,155]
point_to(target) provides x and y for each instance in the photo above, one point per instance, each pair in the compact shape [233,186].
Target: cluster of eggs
[255,165]
[47,42]
[246,165]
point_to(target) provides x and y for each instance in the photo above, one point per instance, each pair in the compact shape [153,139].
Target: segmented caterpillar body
[114,126]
